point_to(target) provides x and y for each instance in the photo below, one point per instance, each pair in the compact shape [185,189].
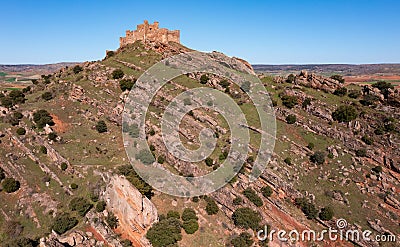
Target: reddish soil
[60,126]
[96,235]
[369,78]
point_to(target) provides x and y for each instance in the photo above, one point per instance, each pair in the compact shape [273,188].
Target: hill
[337,147]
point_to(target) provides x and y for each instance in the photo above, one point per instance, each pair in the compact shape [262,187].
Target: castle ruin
[150,32]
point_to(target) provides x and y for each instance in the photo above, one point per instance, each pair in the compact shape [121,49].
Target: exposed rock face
[135,212]
[150,32]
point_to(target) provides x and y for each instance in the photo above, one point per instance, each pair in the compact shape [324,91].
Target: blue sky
[268,32]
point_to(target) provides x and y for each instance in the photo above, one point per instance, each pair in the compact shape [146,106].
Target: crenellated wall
[150,32]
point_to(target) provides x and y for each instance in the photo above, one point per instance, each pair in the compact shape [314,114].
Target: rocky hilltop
[67,180]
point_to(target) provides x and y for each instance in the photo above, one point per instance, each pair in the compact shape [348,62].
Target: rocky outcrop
[135,212]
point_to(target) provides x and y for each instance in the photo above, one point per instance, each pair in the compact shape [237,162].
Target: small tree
[345,113]
[21,131]
[267,191]
[243,240]
[209,161]
[253,197]
[189,214]
[289,101]
[204,79]
[74,186]
[377,169]
[318,157]
[211,207]
[246,218]
[47,96]
[291,78]
[291,119]
[117,74]
[101,126]
[190,226]
[52,136]
[166,232]
[311,145]
[354,94]
[288,161]
[341,91]
[367,140]
[2,174]
[361,152]
[77,69]
[326,213]
[43,149]
[80,205]
[126,84]
[101,206]
[64,166]
[63,223]
[10,185]
[173,214]
[112,220]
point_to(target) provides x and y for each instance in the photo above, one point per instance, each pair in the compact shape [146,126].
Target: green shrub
[2,174]
[77,69]
[6,102]
[21,131]
[237,201]
[112,220]
[10,185]
[253,197]
[209,161]
[47,96]
[126,84]
[117,74]
[243,240]
[190,226]
[307,207]
[345,113]
[74,186]
[101,206]
[18,115]
[306,103]
[288,161]
[224,83]
[291,119]
[367,140]
[369,99]
[267,191]
[80,205]
[361,152]
[63,223]
[41,118]
[173,214]
[164,233]
[52,136]
[289,101]
[161,159]
[211,207]
[377,169]
[17,96]
[145,157]
[204,79]
[311,146]
[291,78]
[64,166]
[354,94]
[341,91]
[318,157]
[136,180]
[101,126]
[126,243]
[189,214]
[246,218]
[384,87]
[326,213]
[245,86]
[187,101]
[43,149]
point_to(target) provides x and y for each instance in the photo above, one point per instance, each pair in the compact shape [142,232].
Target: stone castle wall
[150,32]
